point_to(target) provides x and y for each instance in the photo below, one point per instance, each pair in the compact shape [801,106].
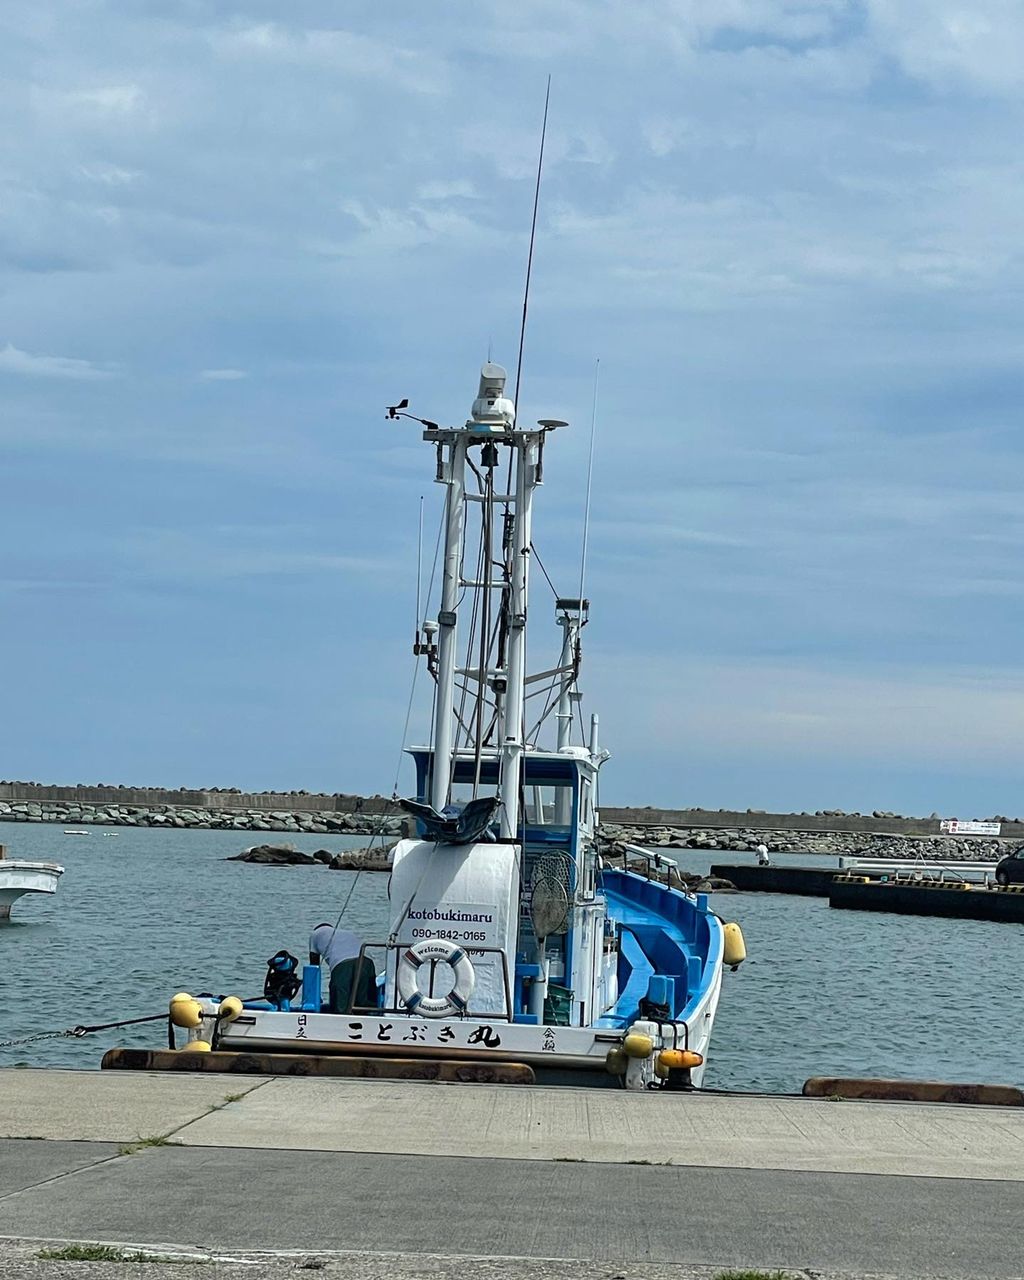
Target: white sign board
[955,827]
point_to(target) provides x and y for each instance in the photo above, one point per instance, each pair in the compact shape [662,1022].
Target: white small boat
[18,878]
[76,832]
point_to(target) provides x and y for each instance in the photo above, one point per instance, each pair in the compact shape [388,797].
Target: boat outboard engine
[282,980]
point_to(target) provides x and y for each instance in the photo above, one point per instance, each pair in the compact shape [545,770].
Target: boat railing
[654,862]
[393,954]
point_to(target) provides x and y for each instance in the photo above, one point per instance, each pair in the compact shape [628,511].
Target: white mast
[451,472]
[492,423]
[570,633]
[512,744]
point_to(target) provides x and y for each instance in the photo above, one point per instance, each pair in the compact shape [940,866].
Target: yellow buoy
[197,1046]
[230,1008]
[616,1061]
[637,1045]
[185,1012]
[659,1070]
[679,1059]
[735,949]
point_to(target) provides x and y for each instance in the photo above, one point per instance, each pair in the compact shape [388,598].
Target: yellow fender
[735,949]
[185,1011]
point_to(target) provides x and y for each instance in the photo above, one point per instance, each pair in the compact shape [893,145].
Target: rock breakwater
[843,843]
[374,858]
[201,819]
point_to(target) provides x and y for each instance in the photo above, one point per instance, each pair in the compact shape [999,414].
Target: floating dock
[955,899]
[961,901]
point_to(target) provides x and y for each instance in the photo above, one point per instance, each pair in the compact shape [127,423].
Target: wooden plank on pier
[993,1095]
[301,1064]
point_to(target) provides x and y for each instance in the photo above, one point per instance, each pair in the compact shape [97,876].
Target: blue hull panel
[664,935]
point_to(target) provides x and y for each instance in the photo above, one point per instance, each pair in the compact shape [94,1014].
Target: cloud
[457,189]
[14,360]
[951,43]
[223,375]
[336,50]
[110,175]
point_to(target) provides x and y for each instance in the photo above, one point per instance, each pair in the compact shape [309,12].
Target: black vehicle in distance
[1011,869]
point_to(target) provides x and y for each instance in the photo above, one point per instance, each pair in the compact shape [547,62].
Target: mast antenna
[590,477]
[533,237]
[419,573]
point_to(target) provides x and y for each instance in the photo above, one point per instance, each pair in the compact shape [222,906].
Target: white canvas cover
[468,894]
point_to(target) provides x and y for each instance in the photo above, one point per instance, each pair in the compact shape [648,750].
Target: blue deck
[664,935]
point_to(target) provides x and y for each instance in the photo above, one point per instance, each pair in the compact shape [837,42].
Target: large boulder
[274,855]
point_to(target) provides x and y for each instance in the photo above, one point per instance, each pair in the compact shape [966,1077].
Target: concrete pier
[353,1168]
[806,882]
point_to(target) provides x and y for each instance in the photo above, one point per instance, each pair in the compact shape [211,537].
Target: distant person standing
[762,856]
[353,977]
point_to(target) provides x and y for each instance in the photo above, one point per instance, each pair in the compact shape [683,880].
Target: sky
[790,231]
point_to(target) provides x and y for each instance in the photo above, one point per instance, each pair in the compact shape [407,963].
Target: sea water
[142,913]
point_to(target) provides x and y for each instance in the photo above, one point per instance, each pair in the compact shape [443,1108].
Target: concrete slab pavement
[224,1199]
[38,1162]
[478,1171]
[494,1121]
[611,1125]
[96,1106]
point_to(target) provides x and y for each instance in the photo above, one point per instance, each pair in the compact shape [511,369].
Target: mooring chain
[79,1031]
[46,1035]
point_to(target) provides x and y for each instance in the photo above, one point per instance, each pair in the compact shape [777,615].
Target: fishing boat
[512,939]
[18,877]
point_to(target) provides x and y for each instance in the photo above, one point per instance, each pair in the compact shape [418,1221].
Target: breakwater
[877,844]
[877,835]
[284,821]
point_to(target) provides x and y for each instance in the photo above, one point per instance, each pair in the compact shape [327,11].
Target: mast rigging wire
[590,478]
[529,259]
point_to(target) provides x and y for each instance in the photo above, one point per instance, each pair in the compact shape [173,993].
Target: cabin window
[462,792]
[549,805]
[586,808]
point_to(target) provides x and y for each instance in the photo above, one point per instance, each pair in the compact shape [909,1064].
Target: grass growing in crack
[754,1275]
[83,1253]
[108,1253]
[158,1140]
[233,1097]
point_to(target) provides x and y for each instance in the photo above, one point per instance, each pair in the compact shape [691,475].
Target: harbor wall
[823,821]
[226,800]
[881,835]
[159,797]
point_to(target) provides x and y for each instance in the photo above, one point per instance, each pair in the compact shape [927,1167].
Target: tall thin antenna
[419,573]
[590,477]
[533,236]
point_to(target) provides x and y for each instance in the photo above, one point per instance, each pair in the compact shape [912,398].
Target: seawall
[876,835]
[286,821]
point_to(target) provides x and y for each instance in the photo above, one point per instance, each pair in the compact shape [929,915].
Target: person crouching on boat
[762,856]
[353,977]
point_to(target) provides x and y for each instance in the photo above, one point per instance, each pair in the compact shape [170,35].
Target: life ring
[434,949]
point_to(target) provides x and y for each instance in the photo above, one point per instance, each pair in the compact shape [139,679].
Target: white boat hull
[551,1050]
[19,878]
